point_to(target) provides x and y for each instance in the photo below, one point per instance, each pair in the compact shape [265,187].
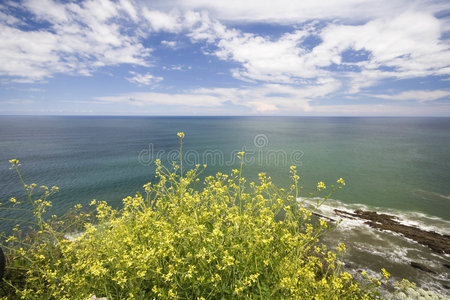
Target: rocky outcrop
[435,241]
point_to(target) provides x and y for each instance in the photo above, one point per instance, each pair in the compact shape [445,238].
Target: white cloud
[404,45]
[130,9]
[147,99]
[408,45]
[47,10]
[288,11]
[144,79]
[266,60]
[261,58]
[80,38]
[270,98]
[160,21]
[9,19]
[417,95]
[176,68]
[170,44]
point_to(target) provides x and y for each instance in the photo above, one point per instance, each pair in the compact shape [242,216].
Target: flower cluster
[226,239]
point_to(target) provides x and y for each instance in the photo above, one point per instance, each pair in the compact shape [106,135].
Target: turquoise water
[401,163]
[398,165]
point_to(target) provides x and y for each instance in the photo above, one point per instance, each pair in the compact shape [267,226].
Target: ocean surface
[399,166]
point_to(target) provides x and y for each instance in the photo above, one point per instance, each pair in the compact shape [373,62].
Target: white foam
[397,255]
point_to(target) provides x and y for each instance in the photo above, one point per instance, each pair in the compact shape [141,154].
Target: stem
[181,157]
[240,188]
[24,185]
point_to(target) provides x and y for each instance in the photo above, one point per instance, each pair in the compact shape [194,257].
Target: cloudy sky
[233,57]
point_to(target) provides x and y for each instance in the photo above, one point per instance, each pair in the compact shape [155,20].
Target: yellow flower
[323,223]
[385,273]
[180,134]
[341,247]
[141,273]
[321,185]
[14,161]
[13,200]
[341,181]
[147,186]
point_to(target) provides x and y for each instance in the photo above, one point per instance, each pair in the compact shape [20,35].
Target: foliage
[186,239]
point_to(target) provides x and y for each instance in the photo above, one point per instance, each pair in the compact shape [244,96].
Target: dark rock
[345,214]
[447,265]
[421,267]
[437,242]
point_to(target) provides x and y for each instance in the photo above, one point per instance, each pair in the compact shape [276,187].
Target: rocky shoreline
[436,242]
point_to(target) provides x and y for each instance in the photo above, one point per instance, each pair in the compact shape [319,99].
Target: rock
[437,242]
[421,267]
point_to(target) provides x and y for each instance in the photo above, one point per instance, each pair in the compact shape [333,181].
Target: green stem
[181,157]
[24,185]
[240,188]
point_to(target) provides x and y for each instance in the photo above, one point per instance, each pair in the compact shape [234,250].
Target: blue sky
[200,57]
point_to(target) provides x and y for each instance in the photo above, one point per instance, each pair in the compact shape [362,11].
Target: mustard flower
[341,181]
[14,161]
[321,185]
[385,273]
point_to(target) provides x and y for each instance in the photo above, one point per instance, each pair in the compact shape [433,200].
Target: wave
[434,194]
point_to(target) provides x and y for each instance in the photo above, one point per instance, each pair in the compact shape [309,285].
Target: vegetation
[182,238]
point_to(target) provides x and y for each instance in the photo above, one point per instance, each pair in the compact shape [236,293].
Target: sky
[233,57]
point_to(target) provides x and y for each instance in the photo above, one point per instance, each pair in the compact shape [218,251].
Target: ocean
[399,166]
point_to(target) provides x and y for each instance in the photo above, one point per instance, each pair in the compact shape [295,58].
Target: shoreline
[403,242]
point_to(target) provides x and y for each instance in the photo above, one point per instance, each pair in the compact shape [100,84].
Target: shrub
[225,238]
